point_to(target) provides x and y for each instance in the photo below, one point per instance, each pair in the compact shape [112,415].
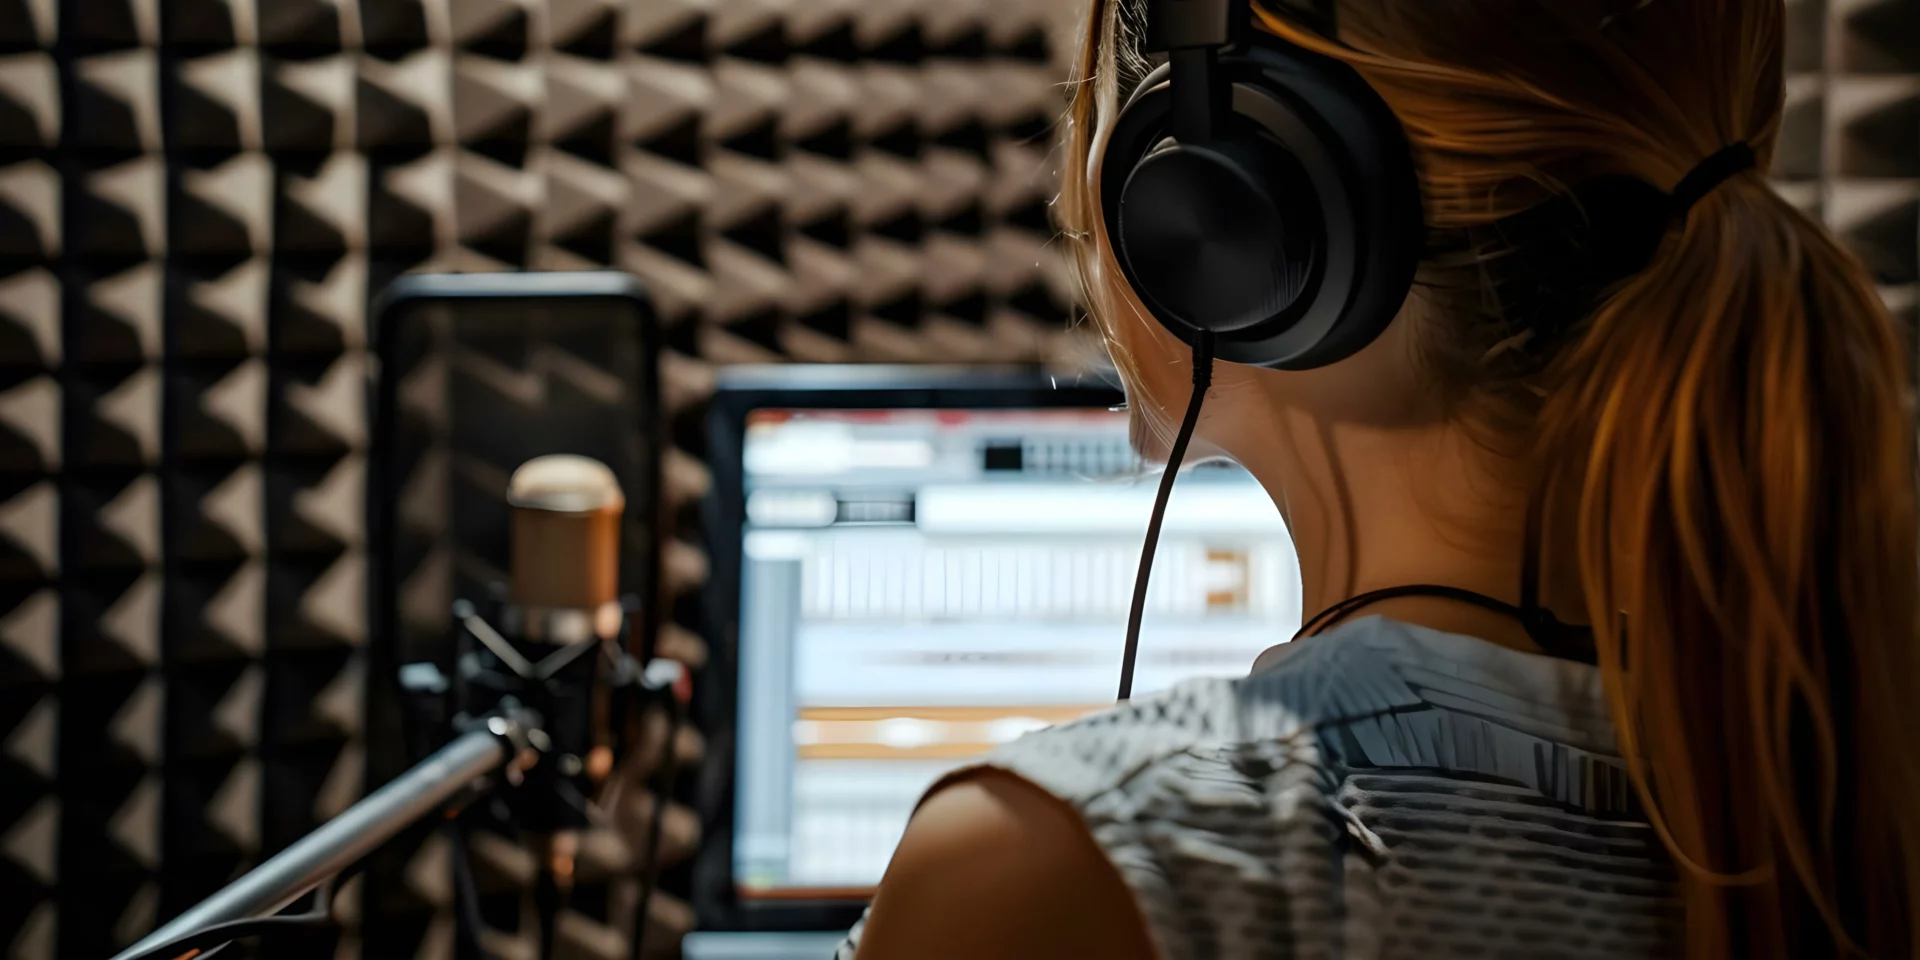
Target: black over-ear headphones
[1263,204]
[1264,194]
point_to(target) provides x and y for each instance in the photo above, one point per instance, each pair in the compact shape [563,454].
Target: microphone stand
[507,739]
[535,697]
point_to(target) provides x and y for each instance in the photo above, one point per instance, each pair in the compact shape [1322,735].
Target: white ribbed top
[1380,791]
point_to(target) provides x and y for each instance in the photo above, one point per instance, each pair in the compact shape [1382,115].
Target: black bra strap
[1561,640]
[1371,597]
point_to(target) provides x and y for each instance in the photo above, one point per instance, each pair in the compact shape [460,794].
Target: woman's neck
[1371,508]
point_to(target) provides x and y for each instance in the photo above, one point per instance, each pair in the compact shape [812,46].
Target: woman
[1717,454]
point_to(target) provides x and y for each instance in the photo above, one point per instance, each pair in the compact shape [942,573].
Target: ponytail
[1732,430]
[1746,537]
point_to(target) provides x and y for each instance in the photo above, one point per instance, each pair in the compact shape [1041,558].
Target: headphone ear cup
[1215,236]
[1294,237]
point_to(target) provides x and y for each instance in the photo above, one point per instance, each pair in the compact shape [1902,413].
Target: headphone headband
[1181,24]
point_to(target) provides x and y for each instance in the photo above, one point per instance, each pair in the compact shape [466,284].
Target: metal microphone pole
[342,841]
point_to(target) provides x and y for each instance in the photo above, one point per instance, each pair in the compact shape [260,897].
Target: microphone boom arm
[502,740]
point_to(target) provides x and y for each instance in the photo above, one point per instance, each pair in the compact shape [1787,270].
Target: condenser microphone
[557,649]
[560,616]
[563,617]
[565,551]
[564,595]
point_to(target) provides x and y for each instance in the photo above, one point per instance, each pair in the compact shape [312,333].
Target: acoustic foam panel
[199,197]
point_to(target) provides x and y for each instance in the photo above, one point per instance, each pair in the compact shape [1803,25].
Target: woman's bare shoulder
[993,866]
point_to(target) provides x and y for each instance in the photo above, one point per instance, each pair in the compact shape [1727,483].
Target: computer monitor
[927,564]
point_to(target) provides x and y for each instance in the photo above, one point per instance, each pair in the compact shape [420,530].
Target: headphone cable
[1202,379]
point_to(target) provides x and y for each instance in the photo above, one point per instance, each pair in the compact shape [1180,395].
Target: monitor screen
[919,586]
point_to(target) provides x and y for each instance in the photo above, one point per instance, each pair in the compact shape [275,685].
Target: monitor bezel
[739,392]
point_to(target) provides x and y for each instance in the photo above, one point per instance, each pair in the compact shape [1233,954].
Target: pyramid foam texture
[198,199]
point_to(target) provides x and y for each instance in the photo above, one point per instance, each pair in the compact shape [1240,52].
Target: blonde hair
[1728,428]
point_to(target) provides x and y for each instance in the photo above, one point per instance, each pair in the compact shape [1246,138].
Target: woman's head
[1722,437]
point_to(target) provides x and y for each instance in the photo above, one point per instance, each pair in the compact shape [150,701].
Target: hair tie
[1732,159]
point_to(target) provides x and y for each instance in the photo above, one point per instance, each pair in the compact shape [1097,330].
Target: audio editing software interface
[919,586]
